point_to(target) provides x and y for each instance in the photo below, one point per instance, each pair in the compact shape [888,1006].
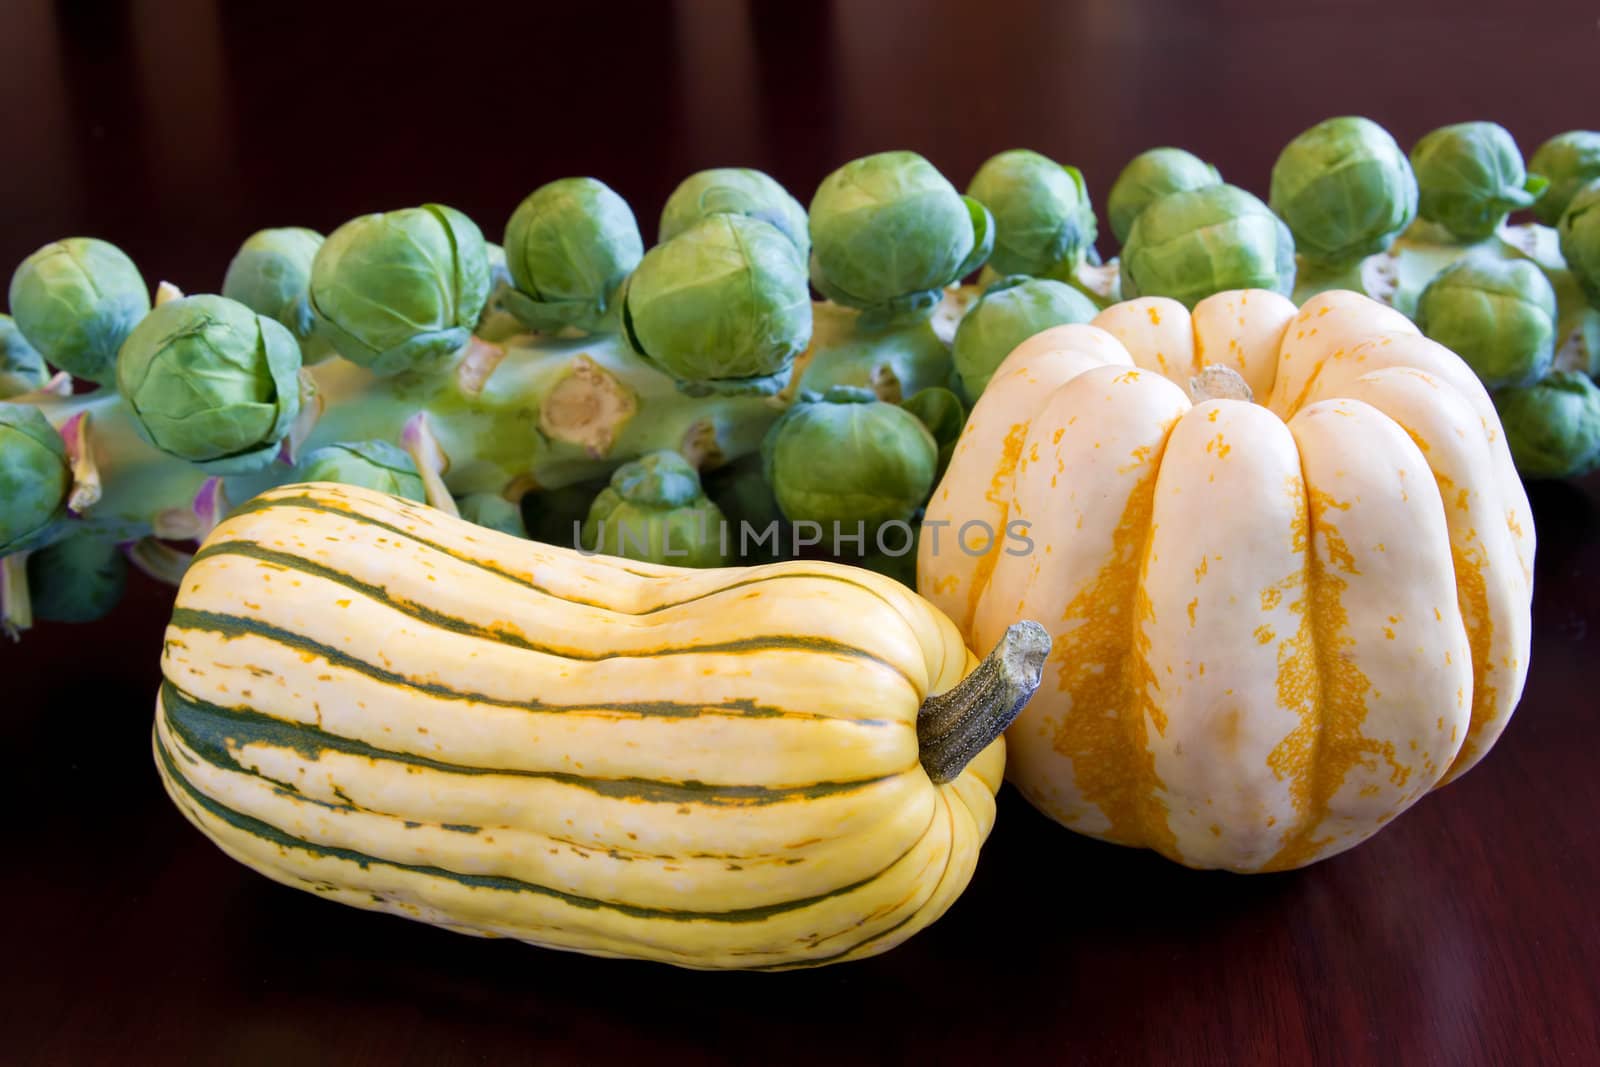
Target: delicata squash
[769,767]
[1277,623]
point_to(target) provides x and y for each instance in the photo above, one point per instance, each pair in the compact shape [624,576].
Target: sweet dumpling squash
[1277,622]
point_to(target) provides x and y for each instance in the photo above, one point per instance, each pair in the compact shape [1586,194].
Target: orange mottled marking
[1155,316]
[1102,666]
[998,494]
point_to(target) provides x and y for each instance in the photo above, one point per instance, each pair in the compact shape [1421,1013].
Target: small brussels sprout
[888,233]
[375,465]
[569,246]
[942,412]
[494,512]
[402,289]
[1345,190]
[76,579]
[735,191]
[1148,177]
[1009,312]
[35,475]
[1497,314]
[1568,161]
[271,275]
[1193,244]
[655,510]
[1470,177]
[212,382]
[849,458]
[22,368]
[76,301]
[725,299]
[1043,223]
[1580,239]
[1553,426]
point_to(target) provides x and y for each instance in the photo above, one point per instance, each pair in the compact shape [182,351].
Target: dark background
[1467,932]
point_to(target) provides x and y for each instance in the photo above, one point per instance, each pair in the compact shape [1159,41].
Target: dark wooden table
[1465,933]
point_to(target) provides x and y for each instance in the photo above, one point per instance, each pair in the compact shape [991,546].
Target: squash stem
[953,727]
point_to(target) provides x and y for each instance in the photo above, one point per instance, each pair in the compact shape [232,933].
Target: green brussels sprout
[1553,426]
[1498,314]
[847,458]
[1009,312]
[76,579]
[569,246]
[1568,161]
[76,301]
[1580,239]
[655,510]
[271,275]
[1043,223]
[1345,190]
[942,412]
[494,512]
[35,476]
[212,382]
[375,465]
[1148,177]
[725,299]
[1193,244]
[22,368]
[1470,177]
[888,233]
[735,191]
[555,516]
[400,290]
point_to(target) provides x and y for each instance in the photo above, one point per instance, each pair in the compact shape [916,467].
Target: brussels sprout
[402,289]
[888,233]
[494,512]
[1470,177]
[725,299]
[1009,312]
[655,510]
[1150,176]
[1345,190]
[942,412]
[1497,314]
[1568,161]
[22,369]
[735,191]
[212,382]
[1553,427]
[555,516]
[35,475]
[1580,239]
[569,246]
[1193,244]
[77,579]
[848,458]
[376,465]
[271,275]
[1043,223]
[75,301]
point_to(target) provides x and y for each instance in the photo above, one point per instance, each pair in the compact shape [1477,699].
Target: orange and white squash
[1278,623]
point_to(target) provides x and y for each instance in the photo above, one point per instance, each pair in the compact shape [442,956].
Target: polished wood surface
[1465,933]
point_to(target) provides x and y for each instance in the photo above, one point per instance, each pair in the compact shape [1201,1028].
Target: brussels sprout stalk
[85,472]
[423,447]
[16,606]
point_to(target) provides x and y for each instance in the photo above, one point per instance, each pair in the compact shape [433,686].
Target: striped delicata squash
[738,768]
